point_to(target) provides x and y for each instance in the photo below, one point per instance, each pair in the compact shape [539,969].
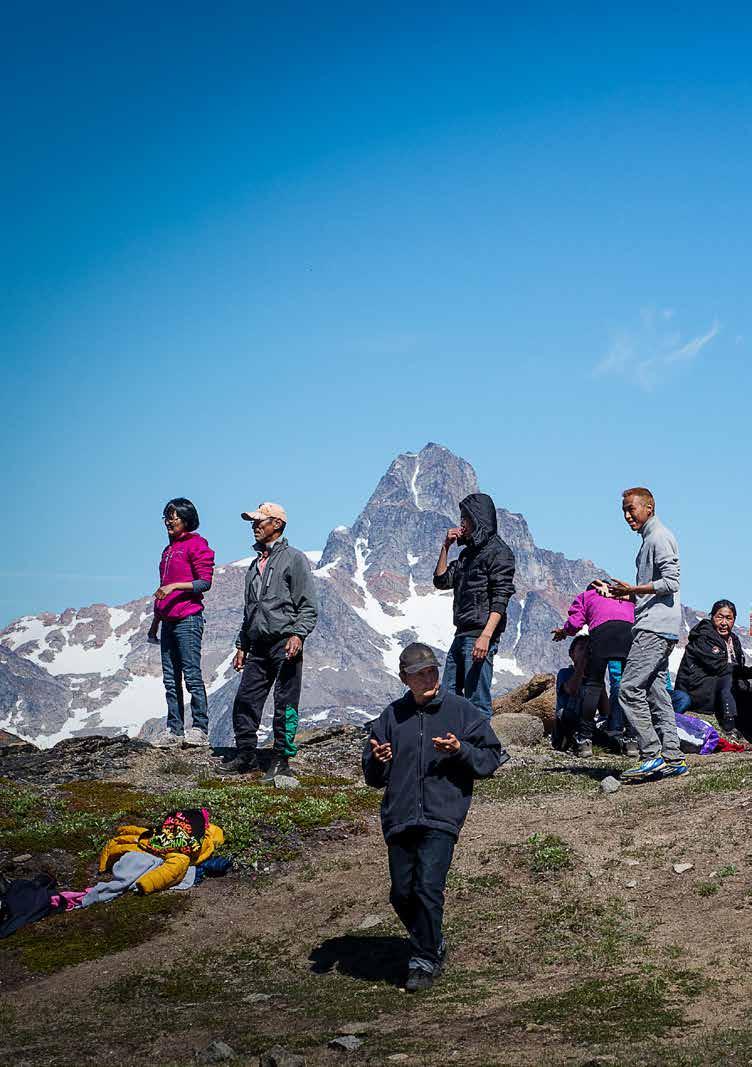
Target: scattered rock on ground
[257,998]
[348,1043]
[682,868]
[518,728]
[398,1057]
[216,1052]
[285,781]
[277,1056]
[369,921]
[610,785]
[630,885]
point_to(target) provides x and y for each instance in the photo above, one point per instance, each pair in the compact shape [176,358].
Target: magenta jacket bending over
[592,610]
[186,559]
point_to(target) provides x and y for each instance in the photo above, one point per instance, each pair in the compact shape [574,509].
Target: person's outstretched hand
[559,633]
[381,752]
[449,744]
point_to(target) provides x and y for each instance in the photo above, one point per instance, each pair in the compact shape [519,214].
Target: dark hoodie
[483,575]
[705,659]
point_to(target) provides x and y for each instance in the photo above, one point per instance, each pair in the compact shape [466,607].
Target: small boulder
[348,1043]
[277,1056]
[285,781]
[682,868]
[369,921]
[610,785]
[518,728]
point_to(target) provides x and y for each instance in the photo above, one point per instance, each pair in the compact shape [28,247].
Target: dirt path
[580,946]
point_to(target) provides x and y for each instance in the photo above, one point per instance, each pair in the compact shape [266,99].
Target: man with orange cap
[280,612]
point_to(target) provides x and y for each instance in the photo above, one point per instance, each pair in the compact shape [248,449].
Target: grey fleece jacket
[658,562]
[284,603]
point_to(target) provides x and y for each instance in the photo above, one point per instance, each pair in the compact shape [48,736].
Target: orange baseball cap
[265,511]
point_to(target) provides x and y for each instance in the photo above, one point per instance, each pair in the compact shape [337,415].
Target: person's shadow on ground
[371,959]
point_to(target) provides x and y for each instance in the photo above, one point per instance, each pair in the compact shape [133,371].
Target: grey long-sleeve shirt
[658,562]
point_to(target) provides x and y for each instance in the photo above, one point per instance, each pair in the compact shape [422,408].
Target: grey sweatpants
[644,699]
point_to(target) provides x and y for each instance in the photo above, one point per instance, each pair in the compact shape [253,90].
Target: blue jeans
[462,675]
[419,862]
[682,701]
[181,658]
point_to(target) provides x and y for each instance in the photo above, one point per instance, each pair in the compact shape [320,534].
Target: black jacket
[286,603]
[483,576]
[426,788]
[703,663]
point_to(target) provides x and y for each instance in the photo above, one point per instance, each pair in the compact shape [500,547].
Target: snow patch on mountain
[62,648]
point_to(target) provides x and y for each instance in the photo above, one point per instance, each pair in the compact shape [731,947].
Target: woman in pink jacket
[185,574]
[609,622]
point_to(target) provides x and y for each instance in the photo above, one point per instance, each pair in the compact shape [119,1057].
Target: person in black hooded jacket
[712,676]
[482,578]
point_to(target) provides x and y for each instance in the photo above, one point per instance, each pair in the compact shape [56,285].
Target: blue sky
[254,254]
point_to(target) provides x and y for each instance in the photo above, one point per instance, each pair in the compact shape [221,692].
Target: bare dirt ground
[572,941]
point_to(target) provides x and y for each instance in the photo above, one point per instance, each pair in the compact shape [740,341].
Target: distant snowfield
[74,657]
[142,699]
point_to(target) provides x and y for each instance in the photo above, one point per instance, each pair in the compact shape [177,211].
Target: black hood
[482,510]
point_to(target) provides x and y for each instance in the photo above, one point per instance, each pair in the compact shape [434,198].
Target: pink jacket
[592,610]
[184,560]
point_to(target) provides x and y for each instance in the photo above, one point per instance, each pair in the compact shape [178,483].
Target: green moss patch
[91,933]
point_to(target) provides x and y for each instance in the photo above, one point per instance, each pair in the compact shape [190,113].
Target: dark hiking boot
[244,763]
[583,748]
[418,979]
[278,766]
[629,747]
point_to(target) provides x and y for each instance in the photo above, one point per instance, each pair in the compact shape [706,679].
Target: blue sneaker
[647,769]
[675,767]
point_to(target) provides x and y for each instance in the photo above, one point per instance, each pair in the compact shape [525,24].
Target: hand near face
[452,536]
[449,744]
[381,752]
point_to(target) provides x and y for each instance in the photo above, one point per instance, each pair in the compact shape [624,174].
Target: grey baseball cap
[416,657]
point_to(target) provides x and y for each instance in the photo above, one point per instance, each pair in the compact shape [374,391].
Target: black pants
[266,666]
[609,641]
[418,866]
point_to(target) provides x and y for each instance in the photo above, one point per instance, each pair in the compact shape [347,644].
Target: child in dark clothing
[426,748]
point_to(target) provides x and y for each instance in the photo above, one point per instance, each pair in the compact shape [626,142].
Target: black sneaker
[244,763]
[417,980]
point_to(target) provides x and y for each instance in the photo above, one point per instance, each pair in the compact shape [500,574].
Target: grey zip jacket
[286,603]
[658,562]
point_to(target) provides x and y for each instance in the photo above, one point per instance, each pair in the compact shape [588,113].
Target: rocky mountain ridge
[92,670]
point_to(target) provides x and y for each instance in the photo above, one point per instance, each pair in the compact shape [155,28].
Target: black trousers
[265,666]
[418,866]
[609,641]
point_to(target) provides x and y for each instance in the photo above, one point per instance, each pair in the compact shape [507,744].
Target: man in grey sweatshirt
[643,696]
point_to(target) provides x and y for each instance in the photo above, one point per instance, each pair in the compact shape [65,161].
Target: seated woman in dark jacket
[712,668]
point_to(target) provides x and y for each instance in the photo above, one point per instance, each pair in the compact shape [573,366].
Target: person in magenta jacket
[609,622]
[185,574]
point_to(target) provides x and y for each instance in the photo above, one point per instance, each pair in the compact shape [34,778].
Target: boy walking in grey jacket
[643,696]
